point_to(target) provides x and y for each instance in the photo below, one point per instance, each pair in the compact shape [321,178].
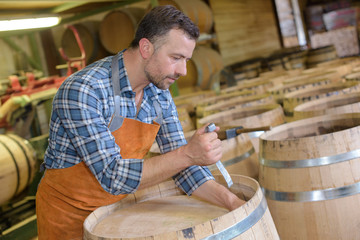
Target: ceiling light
[29,23]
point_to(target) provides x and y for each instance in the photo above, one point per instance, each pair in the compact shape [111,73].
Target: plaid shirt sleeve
[171,137]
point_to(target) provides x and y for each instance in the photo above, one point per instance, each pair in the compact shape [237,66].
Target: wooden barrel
[347,103]
[291,100]
[310,173]
[89,34]
[198,11]
[320,55]
[239,157]
[282,89]
[163,212]
[204,64]
[236,102]
[298,59]
[248,117]
[258,85]
[277,63]
[247,69]
[319,74]
[189,102]
[355,76]
[117,29]
[203,103]
[17,166]
[356,69]
[353,60]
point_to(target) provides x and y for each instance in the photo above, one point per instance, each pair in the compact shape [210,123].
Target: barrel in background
[17,166]
[89,34]
[202,70]
[117,29]
[236,102]
[198,11]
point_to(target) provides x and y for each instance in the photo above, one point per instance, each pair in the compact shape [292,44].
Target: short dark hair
[159,21]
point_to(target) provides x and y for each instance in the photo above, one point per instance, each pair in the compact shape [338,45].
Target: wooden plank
[245,29]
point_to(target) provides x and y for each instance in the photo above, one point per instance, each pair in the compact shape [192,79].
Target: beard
[159,80]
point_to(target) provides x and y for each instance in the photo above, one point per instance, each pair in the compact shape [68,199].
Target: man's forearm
[162,167]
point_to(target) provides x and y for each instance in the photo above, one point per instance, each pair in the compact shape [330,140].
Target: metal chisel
[210,128]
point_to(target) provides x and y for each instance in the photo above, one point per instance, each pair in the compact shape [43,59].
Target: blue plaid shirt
[82,110]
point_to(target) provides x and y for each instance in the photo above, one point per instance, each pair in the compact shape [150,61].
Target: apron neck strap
[115,78]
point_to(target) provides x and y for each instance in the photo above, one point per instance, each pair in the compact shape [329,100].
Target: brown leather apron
[65,197]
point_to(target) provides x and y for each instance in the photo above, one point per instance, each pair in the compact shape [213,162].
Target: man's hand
[203,148]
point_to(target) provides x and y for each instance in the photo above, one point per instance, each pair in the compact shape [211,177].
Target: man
[105,118]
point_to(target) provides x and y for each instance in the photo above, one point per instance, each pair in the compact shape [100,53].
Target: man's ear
[146,48]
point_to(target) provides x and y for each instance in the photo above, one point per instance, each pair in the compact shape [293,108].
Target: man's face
[168,62]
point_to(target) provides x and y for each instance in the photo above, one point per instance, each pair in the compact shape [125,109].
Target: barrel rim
[302,107]
[267,107]
[303,123]
[344,85]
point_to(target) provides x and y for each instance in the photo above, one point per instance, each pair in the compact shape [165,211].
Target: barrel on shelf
[310,174]
[163,212]
[17,166]
[347,103]
[198,11]
[117,29]
[202,69]
[89,34]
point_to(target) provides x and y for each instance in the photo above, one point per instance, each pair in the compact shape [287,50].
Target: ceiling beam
[98,10]
[66,6]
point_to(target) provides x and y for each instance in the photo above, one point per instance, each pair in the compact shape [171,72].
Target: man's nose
[181,68]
